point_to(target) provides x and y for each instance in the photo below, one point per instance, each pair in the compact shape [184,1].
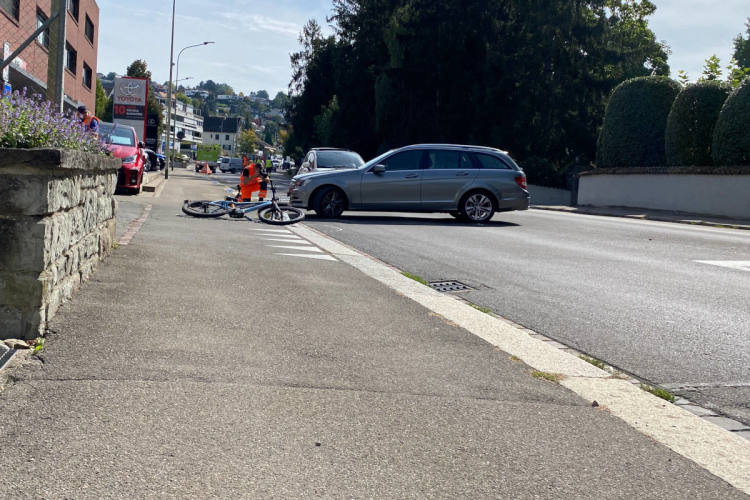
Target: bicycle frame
[248,206]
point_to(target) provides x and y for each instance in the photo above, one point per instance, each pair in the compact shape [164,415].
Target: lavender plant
[30,122]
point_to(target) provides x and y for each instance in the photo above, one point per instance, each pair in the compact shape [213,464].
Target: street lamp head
[206,43]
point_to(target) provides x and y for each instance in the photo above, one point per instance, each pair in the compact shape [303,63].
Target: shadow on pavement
[396,220]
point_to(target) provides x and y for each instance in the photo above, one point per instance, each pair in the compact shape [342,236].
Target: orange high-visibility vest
[248,183]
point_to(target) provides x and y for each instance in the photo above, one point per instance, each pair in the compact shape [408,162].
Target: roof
[222,124]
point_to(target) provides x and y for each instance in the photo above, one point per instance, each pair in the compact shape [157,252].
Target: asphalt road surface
[631,293]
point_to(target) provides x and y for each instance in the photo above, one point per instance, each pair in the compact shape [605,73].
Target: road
[631,293]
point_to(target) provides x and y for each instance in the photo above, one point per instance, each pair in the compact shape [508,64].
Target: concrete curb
[155,181]
[719,451]
[643,216]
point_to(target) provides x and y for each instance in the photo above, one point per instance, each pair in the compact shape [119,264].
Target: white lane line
[309,256]
[285,231]
[290,247]
[284,240]
[741,265]
[721,452]
[274,235]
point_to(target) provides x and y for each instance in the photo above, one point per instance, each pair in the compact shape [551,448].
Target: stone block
[22,243]
[22,289]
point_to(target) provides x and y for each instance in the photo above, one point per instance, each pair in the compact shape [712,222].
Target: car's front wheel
[329,202]
[477,207]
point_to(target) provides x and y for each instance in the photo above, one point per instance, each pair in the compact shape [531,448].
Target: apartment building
[186,119]
[223,131]
[20,18]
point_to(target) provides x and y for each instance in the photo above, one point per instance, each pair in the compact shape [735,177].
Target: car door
[447,174]
[398,188]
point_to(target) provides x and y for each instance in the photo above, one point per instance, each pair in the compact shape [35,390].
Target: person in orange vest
[249,180]
[88,120]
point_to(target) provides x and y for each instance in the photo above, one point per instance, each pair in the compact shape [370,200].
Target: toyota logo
[129,89]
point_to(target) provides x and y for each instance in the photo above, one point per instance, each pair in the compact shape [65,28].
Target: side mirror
[378,169]
[141,145]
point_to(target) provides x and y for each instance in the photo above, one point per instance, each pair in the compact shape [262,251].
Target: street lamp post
[169,95]
[177,76]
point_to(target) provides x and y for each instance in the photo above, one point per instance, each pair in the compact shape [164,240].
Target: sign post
[131,104]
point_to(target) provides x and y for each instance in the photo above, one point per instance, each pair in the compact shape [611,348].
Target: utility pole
[169,97]
[56,64]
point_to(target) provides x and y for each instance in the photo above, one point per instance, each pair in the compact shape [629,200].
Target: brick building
[20,18]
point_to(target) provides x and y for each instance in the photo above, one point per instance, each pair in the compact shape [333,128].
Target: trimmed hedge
[690,126]
[731,141]
[635,122]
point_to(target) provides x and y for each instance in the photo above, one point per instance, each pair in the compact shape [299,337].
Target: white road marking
[721,452]
[285,231]
[283,240]
[741,265]
[308,256]
[290,247]
[279,235]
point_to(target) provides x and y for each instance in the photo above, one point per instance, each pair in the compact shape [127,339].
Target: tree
[248,141]
[101,100]
[711,70]
[111,75]
[536,83]
[262,94]
[139,69]
[281,101]
[183,98]
[742,48]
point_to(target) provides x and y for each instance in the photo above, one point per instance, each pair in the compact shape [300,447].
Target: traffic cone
[206,169]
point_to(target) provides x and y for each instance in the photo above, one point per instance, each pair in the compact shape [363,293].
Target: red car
[123,142]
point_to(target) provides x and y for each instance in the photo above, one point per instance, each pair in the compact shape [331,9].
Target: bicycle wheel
[203,208]
[281,216]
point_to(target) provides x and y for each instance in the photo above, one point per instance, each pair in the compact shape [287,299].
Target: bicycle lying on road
[268,211]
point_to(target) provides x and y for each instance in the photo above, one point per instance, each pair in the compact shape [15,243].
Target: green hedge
[731,142]
[635,122]
[690,126]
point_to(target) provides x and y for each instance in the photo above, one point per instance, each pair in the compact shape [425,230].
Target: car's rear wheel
[330,203]
[478,206]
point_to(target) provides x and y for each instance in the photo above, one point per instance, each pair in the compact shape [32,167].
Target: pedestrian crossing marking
[309,256]
[290,247]
[285,231]
[284,240]
[740,265]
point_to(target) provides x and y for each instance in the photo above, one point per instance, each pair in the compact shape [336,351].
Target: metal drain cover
[450,286]
[5,356]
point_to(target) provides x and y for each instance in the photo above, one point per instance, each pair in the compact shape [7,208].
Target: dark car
[152,158]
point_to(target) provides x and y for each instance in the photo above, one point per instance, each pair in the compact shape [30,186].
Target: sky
[254,38]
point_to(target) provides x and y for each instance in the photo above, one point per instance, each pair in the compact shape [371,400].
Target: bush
[690,126]
[543,172]
[635,122]
[30,122]
[731,141]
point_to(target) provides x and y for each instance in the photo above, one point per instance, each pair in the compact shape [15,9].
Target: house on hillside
[223,131]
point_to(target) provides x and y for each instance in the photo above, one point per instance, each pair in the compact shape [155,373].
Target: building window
[73,8]
[217,137]
[229,148]
[11,7]
[43,37]
[71,58]
[227,137]
[89,30]
[87,75]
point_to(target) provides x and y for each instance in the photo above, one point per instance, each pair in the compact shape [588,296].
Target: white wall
[542,195]
[723,195]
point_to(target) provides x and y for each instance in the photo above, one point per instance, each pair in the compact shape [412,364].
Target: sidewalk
[656,215]
[227,358]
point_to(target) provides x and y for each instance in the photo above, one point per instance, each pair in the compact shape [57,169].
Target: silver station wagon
[469,182]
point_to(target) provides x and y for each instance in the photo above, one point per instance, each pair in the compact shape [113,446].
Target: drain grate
[5,357]
[450,286]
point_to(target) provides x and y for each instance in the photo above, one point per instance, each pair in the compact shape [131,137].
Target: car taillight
[521,181]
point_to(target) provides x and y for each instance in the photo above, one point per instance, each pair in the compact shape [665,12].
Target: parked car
[469,182]
[234,165]
[224,164]
[122,142]
[329,159]
[162,160]
[152,160]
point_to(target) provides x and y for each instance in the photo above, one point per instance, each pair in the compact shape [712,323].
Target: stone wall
[57,221]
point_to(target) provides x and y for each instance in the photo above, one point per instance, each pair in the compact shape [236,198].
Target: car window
[406,160]
[339,159]
[437,160]
[121,137]
[491,162]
